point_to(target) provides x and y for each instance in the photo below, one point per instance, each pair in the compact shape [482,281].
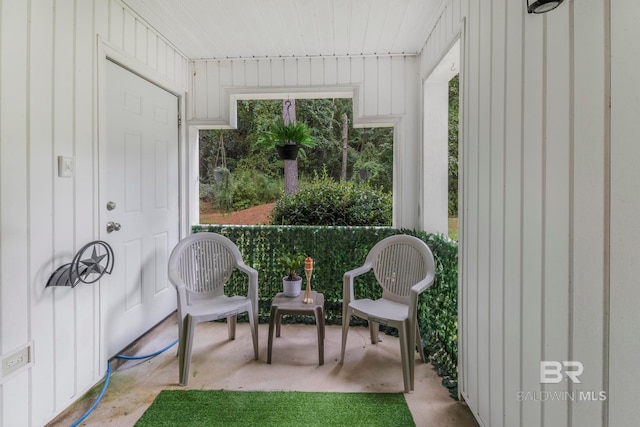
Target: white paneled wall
[385,91]
[48,62]
[624,374]
[379,82]
[534,255]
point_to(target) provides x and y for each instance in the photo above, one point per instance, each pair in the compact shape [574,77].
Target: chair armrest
[183,301]
[253,281]
[347,289]
[417,289]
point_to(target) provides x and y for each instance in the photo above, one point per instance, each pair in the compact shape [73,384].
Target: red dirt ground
[255,215]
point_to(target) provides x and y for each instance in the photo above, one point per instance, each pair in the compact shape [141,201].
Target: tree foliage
[454,102]
[370,149]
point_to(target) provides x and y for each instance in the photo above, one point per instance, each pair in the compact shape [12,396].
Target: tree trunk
[290,176]
[290,166]
[345,130]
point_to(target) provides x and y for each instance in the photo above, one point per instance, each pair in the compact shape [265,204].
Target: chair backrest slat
[205,263]
[398,267]
[399,262]
[205,266]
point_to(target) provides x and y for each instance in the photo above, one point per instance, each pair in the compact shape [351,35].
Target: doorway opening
[441,112]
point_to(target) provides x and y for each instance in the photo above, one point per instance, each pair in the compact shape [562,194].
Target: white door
[140,204]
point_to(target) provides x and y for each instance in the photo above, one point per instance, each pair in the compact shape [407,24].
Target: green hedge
[326,202]
[336,250]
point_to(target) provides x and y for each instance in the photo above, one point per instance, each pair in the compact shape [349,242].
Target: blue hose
[121,356]
[104,388]
[108,376]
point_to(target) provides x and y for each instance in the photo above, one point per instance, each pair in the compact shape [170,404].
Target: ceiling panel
[210,29]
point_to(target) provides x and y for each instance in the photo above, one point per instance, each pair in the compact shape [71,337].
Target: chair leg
[185,349]
[374,328]
[181,349]
[406,357]
[231,326]
[411,355]
[346,317]
[419,344]
[272,321]
[180,333]
[253,324]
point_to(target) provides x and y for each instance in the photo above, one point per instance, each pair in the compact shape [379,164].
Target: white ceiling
[210,29]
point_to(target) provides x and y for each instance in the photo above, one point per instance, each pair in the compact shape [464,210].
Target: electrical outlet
[16,360]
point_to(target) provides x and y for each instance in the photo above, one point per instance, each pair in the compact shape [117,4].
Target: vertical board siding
[199,98]
[588,197]
[384,86]
[330,75]
[13,209]
[405,135]
[470,201]
[14,270]
[303,72]
[497,206]
[484,188]
[557,191]
[41,203]
[64,199]
[317,71]
[370,87]
[356,75]
[277,73]
[533,214]
[47,108]
[625,204]
[251,72]
[532,201]
[382,81]
[397,86]
[512,258]
[85,218]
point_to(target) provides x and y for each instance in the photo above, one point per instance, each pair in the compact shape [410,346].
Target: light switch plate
[66,166]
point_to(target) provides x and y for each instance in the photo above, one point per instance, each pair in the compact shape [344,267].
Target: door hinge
[179,121]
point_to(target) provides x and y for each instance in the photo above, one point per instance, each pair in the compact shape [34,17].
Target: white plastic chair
[404,267]
[199,267]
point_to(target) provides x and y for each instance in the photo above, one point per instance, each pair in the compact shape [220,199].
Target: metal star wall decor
[93,264]
[84,268]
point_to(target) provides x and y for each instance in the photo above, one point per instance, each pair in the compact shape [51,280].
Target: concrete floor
[218,363]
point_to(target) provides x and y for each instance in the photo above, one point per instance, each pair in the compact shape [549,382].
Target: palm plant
[279,134]
[292,263]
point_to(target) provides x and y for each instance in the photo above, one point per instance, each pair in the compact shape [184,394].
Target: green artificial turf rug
[276,408]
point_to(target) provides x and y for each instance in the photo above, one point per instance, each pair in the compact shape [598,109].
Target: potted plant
[292,284]
[287,139]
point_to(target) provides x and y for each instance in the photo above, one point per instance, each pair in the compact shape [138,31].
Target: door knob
[113,226]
